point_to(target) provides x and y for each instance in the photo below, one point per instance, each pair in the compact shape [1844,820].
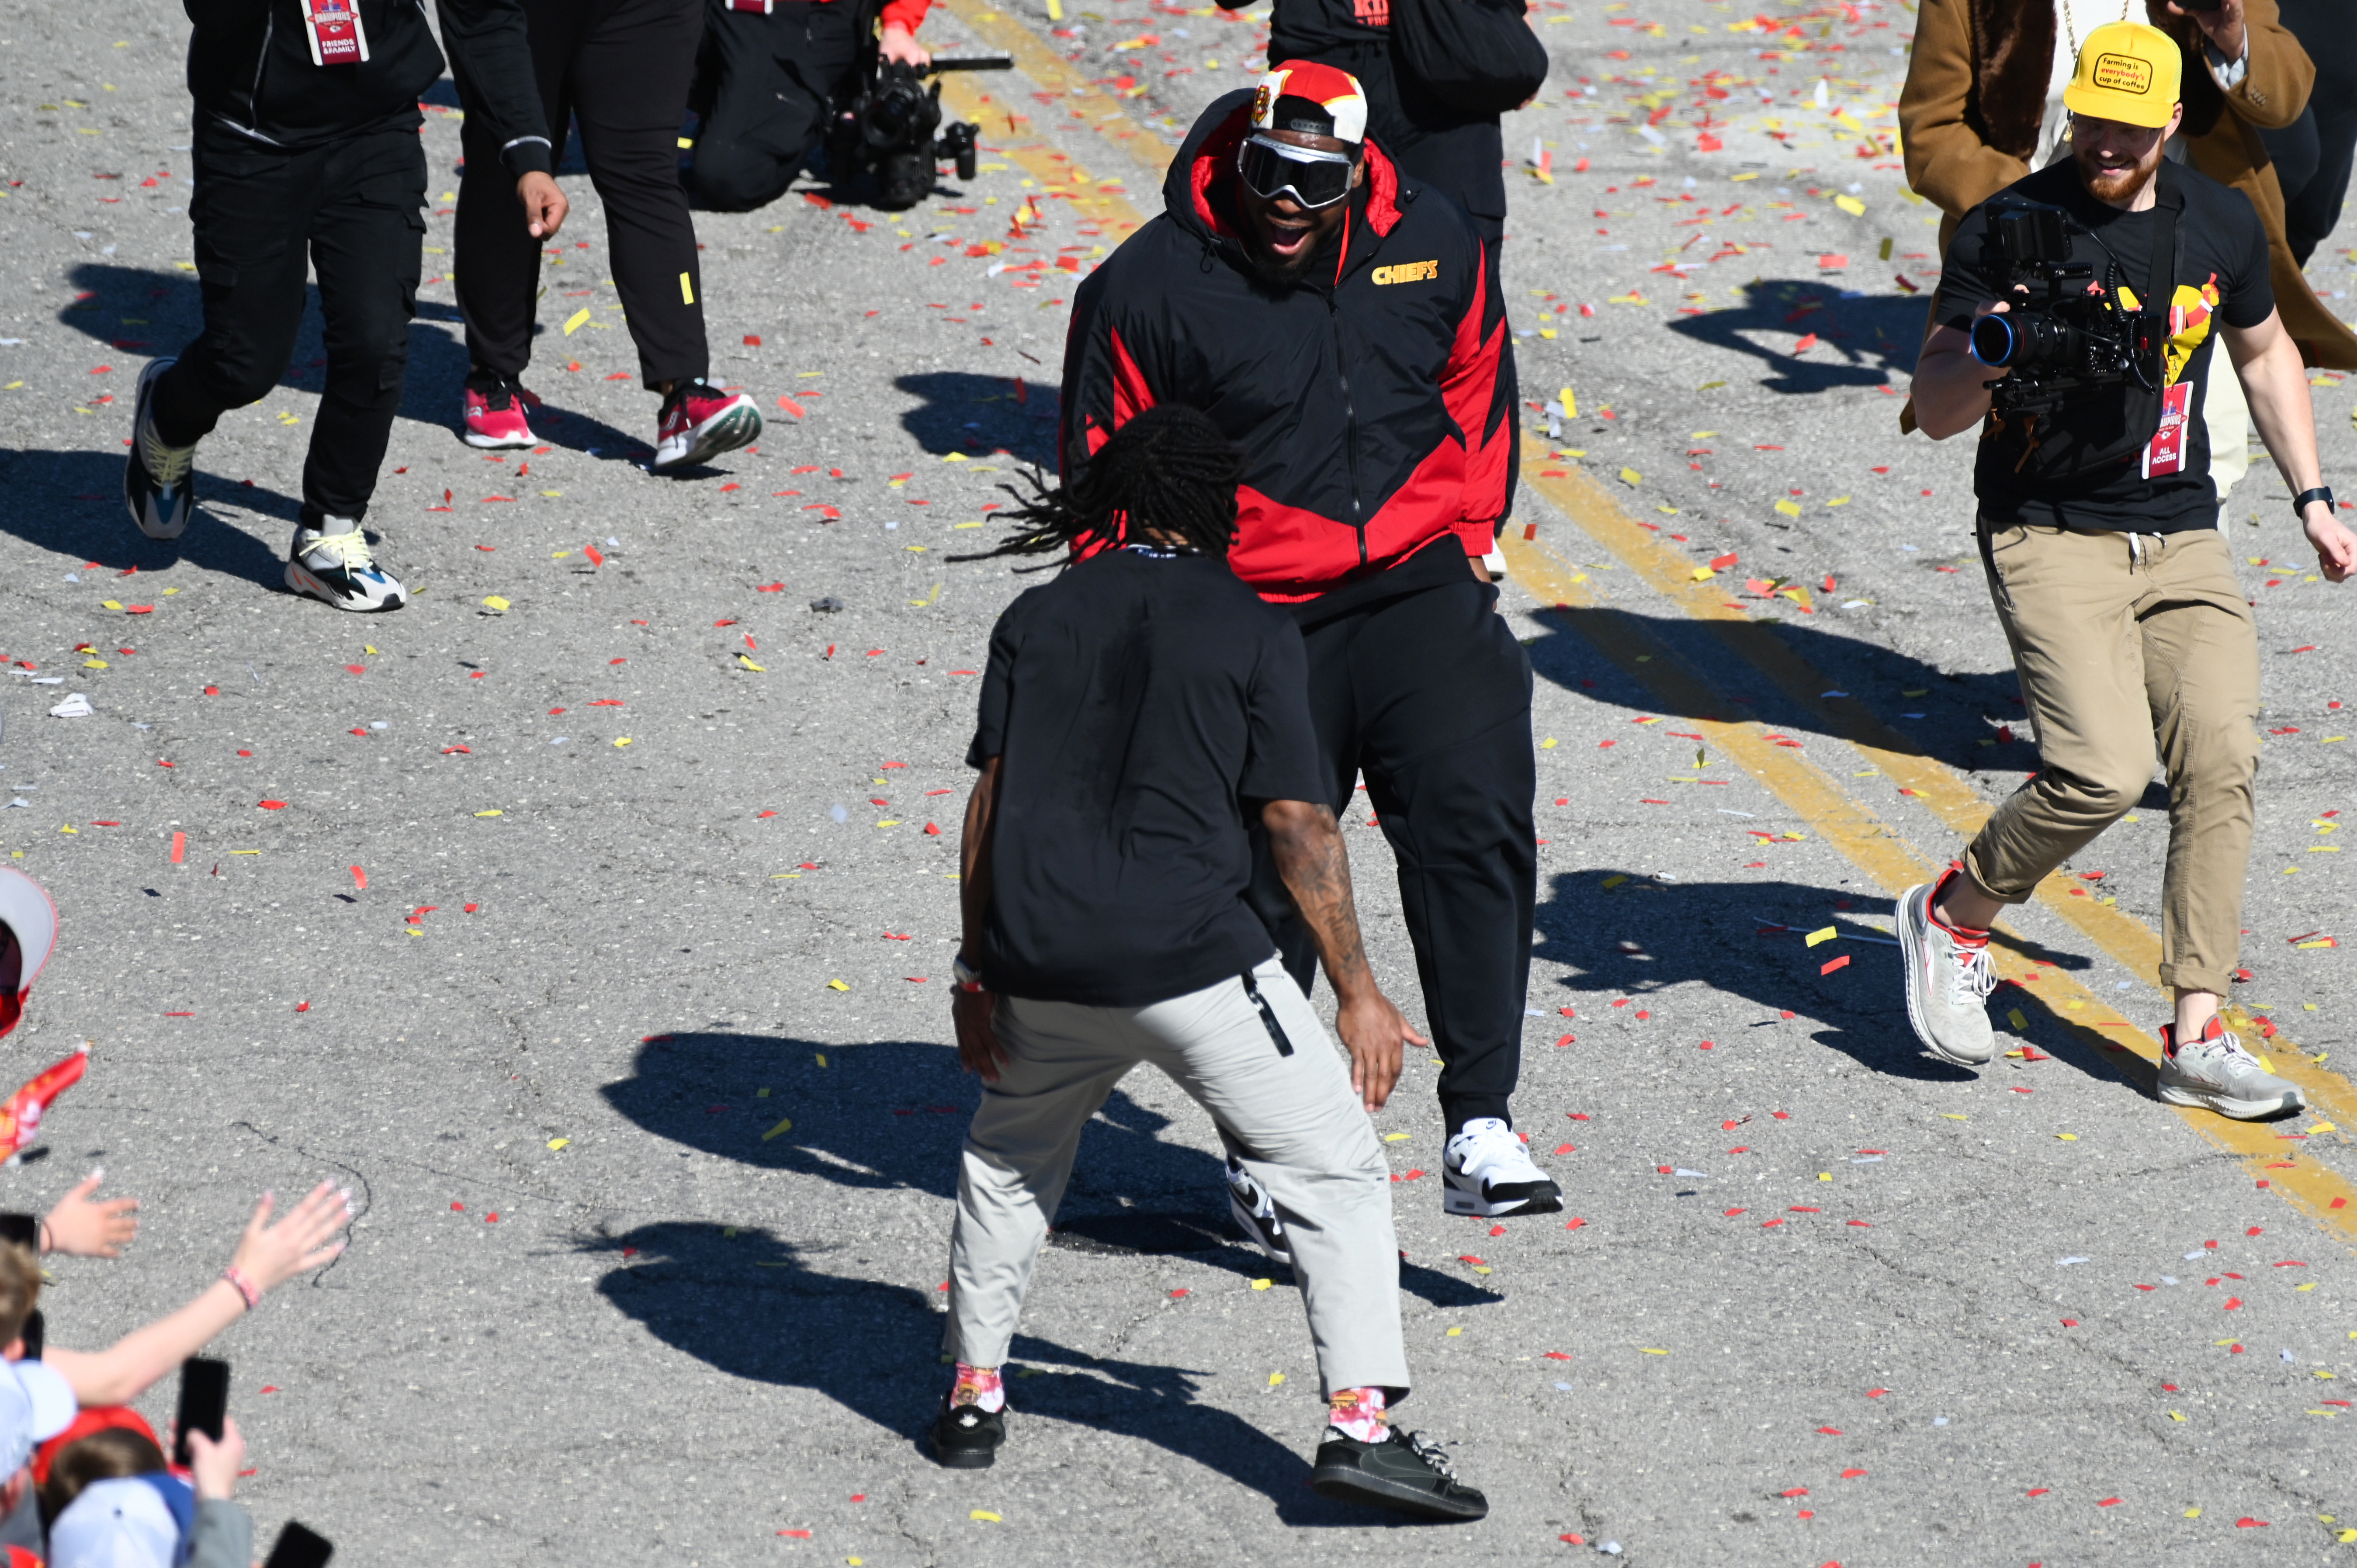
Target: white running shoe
[1948,983]
[338,569]
[1486,1171]
[2217,1072]
[1255,1213]
[158,481]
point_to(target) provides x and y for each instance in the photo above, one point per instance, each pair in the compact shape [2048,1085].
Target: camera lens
[1993,341]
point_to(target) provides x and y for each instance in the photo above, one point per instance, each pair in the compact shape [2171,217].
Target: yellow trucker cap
[2128,72]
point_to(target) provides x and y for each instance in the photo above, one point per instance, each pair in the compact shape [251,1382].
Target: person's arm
[1105,383]
[2275,384]
[267,1256]
[1951,389]
[1307,847]
[1479,400]
[979,1051]
[1948,164]
[224,1534]
[2255,60]
[897,40]
[491,61]
[83,1226]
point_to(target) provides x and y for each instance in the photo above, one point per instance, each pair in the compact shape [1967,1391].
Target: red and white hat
[28,930]
[1303,95]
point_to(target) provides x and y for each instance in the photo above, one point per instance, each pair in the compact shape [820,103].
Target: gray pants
[1293,1119]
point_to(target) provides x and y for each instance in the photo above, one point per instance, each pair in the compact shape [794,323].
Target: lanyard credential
[334,32]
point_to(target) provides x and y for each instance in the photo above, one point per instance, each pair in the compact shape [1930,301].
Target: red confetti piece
[360,879]
[791,406]
[269,1387]
[752,339]
[595,559]
[302,1006]
[490,1219]
[1830,1430]
[1177,1293]
[2039,1491]
[1558,1354]
[1796,1492]
[2070,1323]
[2108,1502]
[1832,964]
[1876,1394]
[2247,1522]
[212,691]
[179,847]
[357,669]
[796,1535]
[267,805]
[1574,1224]
[1567,1149]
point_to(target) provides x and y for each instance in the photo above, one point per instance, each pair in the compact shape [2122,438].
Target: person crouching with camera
[2077,326]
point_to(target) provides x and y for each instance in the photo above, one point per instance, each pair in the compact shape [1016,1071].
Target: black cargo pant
[762,88]
[1429,695]
[621,68]
[264,215]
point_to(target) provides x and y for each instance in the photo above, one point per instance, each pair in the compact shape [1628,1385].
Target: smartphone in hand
[204,1403]
[299,1548]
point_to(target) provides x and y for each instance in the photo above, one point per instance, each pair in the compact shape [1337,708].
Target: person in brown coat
[1982,104]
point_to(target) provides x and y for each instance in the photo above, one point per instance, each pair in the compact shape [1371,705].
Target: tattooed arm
[1317,871]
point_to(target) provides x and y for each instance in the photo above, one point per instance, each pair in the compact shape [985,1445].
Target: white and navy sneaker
[2216,1071]
[337,569]
[699,422]
[1486,1171]
[1255,1213]
[159,482]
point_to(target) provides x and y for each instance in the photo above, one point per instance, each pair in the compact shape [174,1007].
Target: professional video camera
[2066,338]
[887,127]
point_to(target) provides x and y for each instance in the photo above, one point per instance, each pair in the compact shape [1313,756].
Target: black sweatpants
[622,68]
[1430,696]
[763,86]
[353,209]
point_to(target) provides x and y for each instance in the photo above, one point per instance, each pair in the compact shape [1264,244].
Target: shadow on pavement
[1648,933]
[894,1114]
[748,1303]
[1860,339]
[70,502]
[978,415]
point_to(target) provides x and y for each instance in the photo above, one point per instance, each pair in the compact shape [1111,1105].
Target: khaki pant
[1290,1115]
[2122,641]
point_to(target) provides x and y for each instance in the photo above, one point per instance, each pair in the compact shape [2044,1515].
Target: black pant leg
[770,78]
[1443,693]
[1333,713]
[367,238]
[251,214]
[495,259]
[631,80]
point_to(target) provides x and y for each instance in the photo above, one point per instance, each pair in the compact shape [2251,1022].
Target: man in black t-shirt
[1138,711]
[2098,531]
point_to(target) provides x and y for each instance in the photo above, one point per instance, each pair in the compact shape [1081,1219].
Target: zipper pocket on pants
[1267,1016]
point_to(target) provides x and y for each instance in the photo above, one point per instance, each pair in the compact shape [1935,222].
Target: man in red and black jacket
[1338,322]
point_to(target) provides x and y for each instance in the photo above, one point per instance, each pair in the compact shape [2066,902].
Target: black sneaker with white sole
[1255,1215]
[1402,1473]
[1485,1171]
[159,482]
[966,1436]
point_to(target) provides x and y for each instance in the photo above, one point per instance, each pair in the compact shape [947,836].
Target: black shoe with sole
[966,1436]
[1402,1473]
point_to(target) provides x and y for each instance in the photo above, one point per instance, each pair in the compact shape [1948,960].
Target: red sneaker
[495,414]
[700,421]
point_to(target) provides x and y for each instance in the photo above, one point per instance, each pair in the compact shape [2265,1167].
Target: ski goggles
[1308,177]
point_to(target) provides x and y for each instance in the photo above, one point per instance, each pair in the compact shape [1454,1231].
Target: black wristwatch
[2321,493]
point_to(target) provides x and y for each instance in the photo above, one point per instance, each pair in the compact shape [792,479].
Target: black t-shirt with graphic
[1142,705]
[2082,466]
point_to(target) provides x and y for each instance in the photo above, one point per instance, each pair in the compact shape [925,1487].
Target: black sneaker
[1402,1473]
[158,481]
[1255,1215]
[966,1436]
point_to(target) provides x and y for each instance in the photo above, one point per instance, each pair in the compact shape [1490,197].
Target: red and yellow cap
[1303,95]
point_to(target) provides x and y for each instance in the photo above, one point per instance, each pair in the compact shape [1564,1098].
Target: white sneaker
[1948,982]
[338,569]
[1255,1213]
[1486,1171]
[2217,1072]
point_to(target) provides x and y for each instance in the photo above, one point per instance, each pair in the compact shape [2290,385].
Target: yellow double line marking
[1873,845]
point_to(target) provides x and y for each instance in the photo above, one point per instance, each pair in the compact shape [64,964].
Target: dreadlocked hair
[1168,469]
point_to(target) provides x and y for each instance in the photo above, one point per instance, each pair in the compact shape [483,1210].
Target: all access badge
[2165,453]
[336,35]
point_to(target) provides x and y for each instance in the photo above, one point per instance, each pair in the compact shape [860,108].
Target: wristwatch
[967,977]
[2321,493]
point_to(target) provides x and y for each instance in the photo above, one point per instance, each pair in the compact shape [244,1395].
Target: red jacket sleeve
[909,14]
[1104,384]
[1478,402]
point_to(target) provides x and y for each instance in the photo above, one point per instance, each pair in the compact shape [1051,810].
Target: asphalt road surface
[587,917]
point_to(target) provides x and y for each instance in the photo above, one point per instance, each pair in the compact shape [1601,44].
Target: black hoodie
[1366,397]
[250,68]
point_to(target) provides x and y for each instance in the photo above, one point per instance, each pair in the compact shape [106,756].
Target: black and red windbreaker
[1366,400]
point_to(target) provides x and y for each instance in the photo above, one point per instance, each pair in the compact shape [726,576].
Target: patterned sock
[978,1386]
[1357,1413]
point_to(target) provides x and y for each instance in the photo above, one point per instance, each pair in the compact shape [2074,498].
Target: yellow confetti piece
[76,831]
[1825,1175]
[576,322]
[890,823]
[750,665]
[1274,1378]
[2174,1416]
[1570,404]
[2068,1137]
[1850,204]
[2013,1017]
[560,1142]
[1703,573]
[2310,1285]
[94,665]
[1261,1285]
[1828,934]
[1645,1352]
[785,1125]
[109,605]
[1632,477]
[1454,1333]
[984,1515]
[491,813]
[623,741]
[822,1059]
[2192,1513]
[1548,744]
[1397,1137]
[837,986]
[495,603]
[1952,1116]
[1789,508]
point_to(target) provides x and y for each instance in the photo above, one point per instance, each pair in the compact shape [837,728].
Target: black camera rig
[2062,333]
[885,124]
